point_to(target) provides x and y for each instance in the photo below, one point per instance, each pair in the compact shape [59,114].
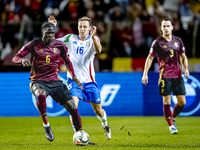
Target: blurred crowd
[126,28]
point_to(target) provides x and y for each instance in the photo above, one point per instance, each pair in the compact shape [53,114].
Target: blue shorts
[91,92]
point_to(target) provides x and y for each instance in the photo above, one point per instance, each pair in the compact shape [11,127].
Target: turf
[127,133]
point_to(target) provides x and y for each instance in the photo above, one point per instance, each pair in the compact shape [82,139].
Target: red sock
[168,114]
[76,119]
[41,105]
[177,110]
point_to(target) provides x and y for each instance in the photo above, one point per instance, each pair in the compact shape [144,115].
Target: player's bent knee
[182,103]
[69,105]
[39,92]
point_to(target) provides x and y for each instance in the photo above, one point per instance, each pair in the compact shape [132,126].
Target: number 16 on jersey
[79,50]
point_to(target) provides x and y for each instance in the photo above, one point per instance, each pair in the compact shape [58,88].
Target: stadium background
[126,29]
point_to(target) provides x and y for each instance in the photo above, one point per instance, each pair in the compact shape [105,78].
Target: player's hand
[78,82]
[187,73]
[25,62]
[145,79]
[52,20]
[93,31]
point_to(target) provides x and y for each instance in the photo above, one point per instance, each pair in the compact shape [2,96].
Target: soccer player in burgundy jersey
[45,54]
[170,52]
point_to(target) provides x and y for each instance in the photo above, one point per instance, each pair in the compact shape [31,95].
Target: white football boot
[173,129]
[107,132]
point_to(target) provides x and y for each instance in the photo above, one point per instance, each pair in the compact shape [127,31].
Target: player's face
[166,28]
[83,28]
[48,34]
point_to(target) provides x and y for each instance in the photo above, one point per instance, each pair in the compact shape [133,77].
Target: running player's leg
[101,115]
[168,113]
[41,94]
[179,106]
[75,117]
[76,93]
[165,92]
[100,112]
[92,93]
[179,91]
[63,97]
[76,101]
[41,104]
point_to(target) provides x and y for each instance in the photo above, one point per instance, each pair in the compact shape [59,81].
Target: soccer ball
[81,138]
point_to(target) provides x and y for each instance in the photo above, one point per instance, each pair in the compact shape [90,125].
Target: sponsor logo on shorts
[98,100]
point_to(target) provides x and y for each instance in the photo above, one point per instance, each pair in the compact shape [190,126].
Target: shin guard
[168,114]
[41,105]
[76,119]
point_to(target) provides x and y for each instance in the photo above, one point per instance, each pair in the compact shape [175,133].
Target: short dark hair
[168,19]
[86,19]
[47,24]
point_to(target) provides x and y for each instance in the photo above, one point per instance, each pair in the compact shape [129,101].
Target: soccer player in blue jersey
[170,52]
[45,54]
[82,49]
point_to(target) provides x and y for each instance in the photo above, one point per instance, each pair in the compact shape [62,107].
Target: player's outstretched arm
[52,20]
[71,71]
[69,65]
[95,40]
[19,57]
[185,64]
[148,63]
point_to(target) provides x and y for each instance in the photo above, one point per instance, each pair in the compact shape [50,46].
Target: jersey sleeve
[153,48]
[68,63]
[65,39]
[182,47]
[22,52]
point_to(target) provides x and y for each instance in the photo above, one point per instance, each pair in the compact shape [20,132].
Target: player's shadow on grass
[149,145]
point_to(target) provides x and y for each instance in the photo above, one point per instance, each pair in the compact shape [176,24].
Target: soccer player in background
[82,50]
[170,52]
[45,54]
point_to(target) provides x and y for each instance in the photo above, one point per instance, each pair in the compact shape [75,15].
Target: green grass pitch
[140,133]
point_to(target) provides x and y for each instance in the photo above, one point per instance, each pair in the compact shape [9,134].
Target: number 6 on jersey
[47,59]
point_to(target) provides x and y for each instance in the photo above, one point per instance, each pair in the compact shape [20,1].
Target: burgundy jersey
[45,59]
[168,54]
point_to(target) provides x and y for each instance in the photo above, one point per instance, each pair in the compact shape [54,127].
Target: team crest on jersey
[41,50]
[176,44]
[87,44]
[55,50]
